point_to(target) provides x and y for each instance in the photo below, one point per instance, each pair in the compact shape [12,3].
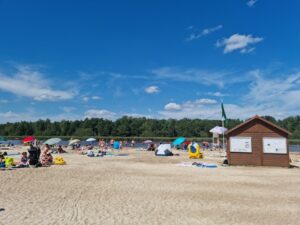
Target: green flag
[224,117]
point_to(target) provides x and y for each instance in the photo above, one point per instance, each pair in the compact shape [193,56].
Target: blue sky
[159,59]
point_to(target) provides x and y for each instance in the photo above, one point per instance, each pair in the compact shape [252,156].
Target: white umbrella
[74,141]
[147,142]
[91,139]
[218,130]
[52,141]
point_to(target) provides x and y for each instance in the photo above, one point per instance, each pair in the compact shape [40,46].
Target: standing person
[99,144]
[102,145]
[112,141]
[132,143]
[120,144]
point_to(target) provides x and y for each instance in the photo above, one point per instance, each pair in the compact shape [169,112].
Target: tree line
[132,127]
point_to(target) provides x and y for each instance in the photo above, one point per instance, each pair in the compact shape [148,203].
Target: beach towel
[122,155]
[205,165]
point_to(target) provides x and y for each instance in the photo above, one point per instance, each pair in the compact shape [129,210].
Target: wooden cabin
[258,142]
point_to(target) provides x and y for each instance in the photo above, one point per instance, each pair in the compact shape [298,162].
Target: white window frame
[239,151]
[276,151]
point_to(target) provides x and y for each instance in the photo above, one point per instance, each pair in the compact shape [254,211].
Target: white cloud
[100,113]
[29,82]
[251,3]
[152,89]
[68,109]
[206,31]
[172,106]
[10,116]
[217,94]
[3,101]
[85,98]
[96,98]
[274,95]
[238,42]
[279,94]
[198,103]
[203,77]
[137,115]
[206,101]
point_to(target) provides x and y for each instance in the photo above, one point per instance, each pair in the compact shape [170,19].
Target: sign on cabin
[240,144]
[274,145]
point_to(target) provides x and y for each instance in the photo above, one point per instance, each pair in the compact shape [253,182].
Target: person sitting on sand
[2,161]
[60,150]
[34,154]
[151,147]
[46,157]
[24,161]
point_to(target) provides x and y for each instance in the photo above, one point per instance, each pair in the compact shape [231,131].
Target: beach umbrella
[74,141]
[52,141]
[147,142]
[29,139]
[178,141]
[218,130]
[91,139]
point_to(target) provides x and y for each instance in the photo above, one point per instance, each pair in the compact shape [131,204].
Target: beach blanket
[206,165]
[122,155]
[196,164]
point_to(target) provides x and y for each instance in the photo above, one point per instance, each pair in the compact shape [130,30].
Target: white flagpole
[223,133]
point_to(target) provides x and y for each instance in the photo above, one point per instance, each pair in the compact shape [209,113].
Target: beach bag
[58,160]
[9,161]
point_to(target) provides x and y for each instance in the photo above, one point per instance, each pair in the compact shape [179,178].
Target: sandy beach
[143,189]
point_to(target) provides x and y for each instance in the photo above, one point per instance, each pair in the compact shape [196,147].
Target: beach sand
[144,189]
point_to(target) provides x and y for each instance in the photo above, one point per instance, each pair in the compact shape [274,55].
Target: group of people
[104,145]
[36,157]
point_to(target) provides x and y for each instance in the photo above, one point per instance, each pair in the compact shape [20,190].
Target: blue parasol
[178,141]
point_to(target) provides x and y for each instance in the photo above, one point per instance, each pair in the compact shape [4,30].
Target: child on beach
[2,162]
[24,161]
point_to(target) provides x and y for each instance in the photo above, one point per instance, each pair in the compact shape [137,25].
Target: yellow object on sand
[9,161]
[58,160]
[194,151]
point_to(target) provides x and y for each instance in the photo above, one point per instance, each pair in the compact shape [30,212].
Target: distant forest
[132,127]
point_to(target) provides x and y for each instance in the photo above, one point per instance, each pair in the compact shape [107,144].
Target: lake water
[292,148]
